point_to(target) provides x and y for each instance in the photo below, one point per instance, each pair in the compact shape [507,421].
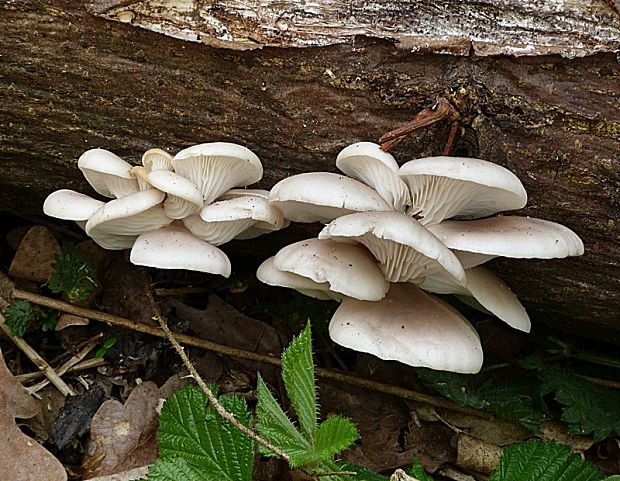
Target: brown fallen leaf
[22,457]
[476,455]
[35,255]
[122,437]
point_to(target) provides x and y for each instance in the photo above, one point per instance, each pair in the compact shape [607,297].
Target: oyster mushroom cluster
[393,235]
[172,212]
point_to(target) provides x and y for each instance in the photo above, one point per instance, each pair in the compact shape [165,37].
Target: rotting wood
[71,81]
[506,27]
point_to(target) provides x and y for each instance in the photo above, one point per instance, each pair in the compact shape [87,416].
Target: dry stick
[80,366]
[90,344]
[241,353]
[38,361]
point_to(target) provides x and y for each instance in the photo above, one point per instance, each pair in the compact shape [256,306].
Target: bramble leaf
[174,469]
[334,435]
[298,376]
[190,429]
[543,461]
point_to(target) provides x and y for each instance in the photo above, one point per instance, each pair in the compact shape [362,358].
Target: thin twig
[38,361]
[90,344]
[118,321]
[80,366]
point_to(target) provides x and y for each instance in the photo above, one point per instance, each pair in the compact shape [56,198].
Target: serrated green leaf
[298,376]
[455,387]
[174,469]
[615,477]
[18,316]
[588,408]
[73,274]
[333,436]
[543,461]
[191,430]
[417,471]
[274,425]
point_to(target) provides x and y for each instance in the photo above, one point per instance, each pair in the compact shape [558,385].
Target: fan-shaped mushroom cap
[141,174]
[70,205]
[183,197]
[173,247]
[490,292]
[477,241]
[109,175]
[349,269]
[223,220]
[444,187]
[217,167]
[268,274]
[409,326]
[406,251]
[366,162]
[323,196]
[128,216]
[157,159]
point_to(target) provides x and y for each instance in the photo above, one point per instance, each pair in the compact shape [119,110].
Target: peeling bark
[572,28]
[70,81]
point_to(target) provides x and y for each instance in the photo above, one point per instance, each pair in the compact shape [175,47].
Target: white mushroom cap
[445,187]
[109,175]
[478,241]
[183,197]
[128,216]
[233,193]
[217,167]
[323,196]
[173,247]
[141,174]
[490,292]
[157,159]
[411,327]
[366,162]
[224,220]
[70,205]
[406,251]
[349,269]
[271,276]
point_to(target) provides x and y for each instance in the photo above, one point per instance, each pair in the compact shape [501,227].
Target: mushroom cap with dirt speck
[217,167]
[445,187]
[323,196]
[348,268]
[107,173]
[128,217]
[406,251]
[366,162]
[490,292]
[174,247]
[409,326]
[477,241]
[271,276]
[67,204]
[183,197]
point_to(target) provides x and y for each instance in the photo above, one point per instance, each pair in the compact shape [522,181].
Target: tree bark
[71,80]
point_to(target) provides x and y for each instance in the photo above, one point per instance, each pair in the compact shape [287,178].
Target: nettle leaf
[191,430]
[333,436]
[589,408]
[543,461]
[174,469]
[275,426]
[298,376]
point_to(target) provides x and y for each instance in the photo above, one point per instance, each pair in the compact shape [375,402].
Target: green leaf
[615,477]
[73,274]
[455,387]
[298,376]
[191,430]
[543,461]
[49,321]
[417,471]
[174,469]
[361,473]
[275,426]
[334,435]
[18,315]
[588,408]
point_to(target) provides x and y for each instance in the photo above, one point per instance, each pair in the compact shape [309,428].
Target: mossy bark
[70,81]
